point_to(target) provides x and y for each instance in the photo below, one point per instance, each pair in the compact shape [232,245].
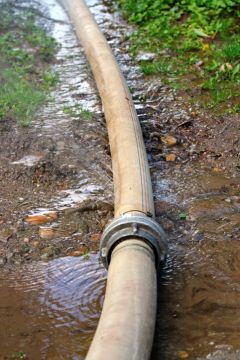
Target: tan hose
[127,322]
[133,241]
[132,183]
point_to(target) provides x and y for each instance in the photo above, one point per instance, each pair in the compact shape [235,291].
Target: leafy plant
[199,38]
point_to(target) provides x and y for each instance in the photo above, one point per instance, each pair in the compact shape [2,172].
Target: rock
[169,140]
[3,261]
[171,157]
[95,237]
[161,207]
[143,56]
[183,355]
[217,169]
[38,219]
[79,252]
[225,67]
[48,252]
[47,232]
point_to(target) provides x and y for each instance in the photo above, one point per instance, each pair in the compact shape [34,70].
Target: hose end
[133,226]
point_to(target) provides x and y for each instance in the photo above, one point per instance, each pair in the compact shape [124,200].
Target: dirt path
[61,163]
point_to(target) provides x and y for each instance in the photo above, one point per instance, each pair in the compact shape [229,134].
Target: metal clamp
[129,227]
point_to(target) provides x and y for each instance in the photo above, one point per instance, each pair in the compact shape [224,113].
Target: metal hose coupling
[133,227]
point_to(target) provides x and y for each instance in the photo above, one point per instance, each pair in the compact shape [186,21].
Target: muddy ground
[60,166]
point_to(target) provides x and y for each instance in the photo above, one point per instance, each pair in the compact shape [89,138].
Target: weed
[200,38]
[49,79]
[19,355]
[78,112]
[37,37]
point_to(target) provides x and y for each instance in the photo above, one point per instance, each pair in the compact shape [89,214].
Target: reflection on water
[199,288]
[50,310]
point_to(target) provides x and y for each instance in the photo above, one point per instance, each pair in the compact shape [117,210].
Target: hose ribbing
[126,327]
[132,183]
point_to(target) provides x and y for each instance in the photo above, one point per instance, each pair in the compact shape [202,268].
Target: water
[199,290]
[50,310]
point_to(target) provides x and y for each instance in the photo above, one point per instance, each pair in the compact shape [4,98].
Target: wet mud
[52,284]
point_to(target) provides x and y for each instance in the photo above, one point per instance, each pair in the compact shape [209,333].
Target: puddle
[199,291]
[50,310]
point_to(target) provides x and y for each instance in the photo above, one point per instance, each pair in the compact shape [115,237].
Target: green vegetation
[19,355]
[25,53]
[183,216]
[196,42]
[78,112]
[19,97]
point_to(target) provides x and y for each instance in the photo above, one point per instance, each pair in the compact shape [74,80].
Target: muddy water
[199,290]
[49,310]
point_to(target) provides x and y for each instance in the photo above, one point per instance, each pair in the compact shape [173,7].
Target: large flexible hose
[133,242]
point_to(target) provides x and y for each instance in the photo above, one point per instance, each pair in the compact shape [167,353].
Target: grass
[19,98]
[19,355]
[78,112]
[25,53]
[195,41]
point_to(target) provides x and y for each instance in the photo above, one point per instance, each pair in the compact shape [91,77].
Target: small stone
[95,237]
[199,63]
[26,240]
[225,67]
[47,233]
[79,252]
[143,56]
[48,252]
[183,355]
[3,261]
[217,169]
[36,243]
[169,140]
[171,157]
